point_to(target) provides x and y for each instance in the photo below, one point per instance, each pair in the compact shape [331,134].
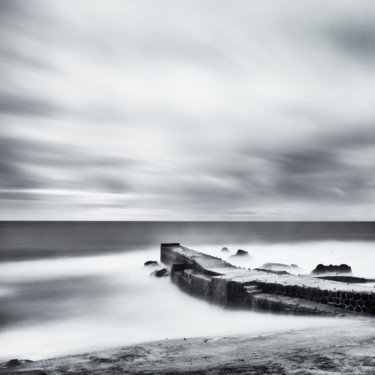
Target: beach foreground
[340,349]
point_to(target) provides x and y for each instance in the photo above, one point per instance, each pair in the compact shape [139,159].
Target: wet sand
[348,349]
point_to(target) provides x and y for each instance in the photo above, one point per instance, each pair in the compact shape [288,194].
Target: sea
[74,287]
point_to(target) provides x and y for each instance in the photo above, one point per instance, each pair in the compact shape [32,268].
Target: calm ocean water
[69,287]
[32,240]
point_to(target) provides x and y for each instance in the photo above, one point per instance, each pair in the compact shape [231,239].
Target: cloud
[355,37]
[25,106]
[25,164]
[187,110]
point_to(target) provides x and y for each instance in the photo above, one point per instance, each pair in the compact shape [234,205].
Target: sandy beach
[339,349]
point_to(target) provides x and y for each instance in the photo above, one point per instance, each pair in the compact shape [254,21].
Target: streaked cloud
[189,110]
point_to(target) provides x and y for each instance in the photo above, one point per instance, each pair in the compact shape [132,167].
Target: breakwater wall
[191,276]
[347,300]
[219,282]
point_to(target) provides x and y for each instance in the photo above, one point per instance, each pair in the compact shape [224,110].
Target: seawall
[217,281]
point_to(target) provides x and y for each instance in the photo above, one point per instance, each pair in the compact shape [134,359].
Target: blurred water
[32,240]
[59,304]
[359,255]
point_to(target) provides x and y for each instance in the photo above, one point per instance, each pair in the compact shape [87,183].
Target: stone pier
[217,281]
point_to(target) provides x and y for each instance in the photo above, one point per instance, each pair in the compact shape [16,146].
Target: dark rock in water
[14,363]
[342,268]
[242,256]
[160,273]
[151,263]
[224,250]
[242,253]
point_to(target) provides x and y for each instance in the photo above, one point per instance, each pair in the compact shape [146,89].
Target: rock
[151,263]
[160,273]
[240,254]
[225,250]
[14,363]
[341,269]
[241,258]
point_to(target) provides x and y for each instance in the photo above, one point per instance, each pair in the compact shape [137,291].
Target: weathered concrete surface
[217,281]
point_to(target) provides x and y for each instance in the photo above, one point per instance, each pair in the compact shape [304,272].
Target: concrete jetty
[220,282]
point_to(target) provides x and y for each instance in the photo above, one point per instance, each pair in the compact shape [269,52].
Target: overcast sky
[187,110]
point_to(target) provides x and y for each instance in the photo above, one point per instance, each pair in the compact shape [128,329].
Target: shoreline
[319,350]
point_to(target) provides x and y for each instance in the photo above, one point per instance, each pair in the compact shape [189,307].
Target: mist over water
[61,305]
[306,255]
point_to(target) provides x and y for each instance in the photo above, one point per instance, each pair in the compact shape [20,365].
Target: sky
[187,110]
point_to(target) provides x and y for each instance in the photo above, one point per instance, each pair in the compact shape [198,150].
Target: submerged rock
[241,254]
[160,273]
[341,269]
[151,263]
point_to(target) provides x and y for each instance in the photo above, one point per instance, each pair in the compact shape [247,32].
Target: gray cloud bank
[188,110]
